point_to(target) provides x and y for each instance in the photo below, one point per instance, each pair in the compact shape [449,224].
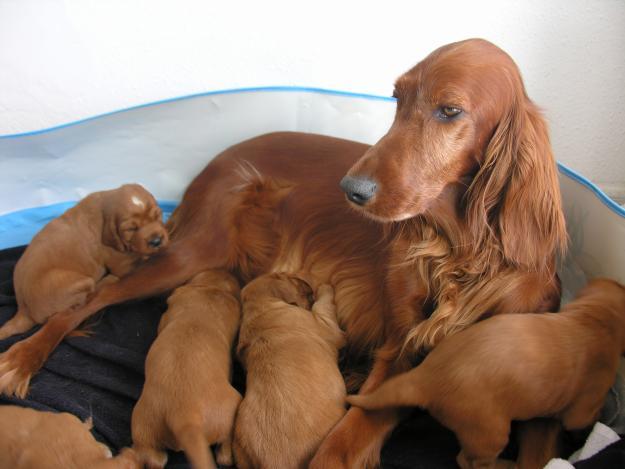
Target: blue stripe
[607,201]
[19,227]
[295,89]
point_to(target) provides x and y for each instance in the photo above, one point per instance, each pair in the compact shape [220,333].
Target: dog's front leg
[355,442]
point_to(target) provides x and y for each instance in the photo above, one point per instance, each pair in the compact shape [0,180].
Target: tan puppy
[516,367]
[32,439]
[187,401]
[107,232]
[295,393]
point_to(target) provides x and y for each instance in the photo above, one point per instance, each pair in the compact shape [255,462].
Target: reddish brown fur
[98,241]
[32,439]
[472,227]
[295,392]
[517,367]
[187,401]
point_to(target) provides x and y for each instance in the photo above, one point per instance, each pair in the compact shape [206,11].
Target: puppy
[32,439]
[294,393]
[107,232]
[187,401]
[516,367]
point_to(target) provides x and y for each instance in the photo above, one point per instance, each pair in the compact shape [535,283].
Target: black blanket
[101,377]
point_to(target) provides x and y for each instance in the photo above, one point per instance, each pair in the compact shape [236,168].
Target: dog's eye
[448,112]
[132,228]
[395,94]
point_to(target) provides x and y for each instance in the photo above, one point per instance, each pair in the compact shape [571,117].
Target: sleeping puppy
[32,439]
[100,239]
[187,401]
[517,367]
[294,393]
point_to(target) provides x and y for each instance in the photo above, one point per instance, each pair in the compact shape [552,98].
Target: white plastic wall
[63,60]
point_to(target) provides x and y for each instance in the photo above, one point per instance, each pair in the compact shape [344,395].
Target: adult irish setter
[454,215]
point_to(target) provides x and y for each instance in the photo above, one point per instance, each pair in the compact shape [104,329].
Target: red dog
[469,222]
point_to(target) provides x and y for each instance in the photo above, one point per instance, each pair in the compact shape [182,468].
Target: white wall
[62,60]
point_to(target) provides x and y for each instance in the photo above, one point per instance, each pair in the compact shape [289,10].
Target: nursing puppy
[187,401]
[517,367]
[295,393]
[32,439]
[100,239]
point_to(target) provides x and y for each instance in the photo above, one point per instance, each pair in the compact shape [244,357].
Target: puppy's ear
[302,295]
[110,234]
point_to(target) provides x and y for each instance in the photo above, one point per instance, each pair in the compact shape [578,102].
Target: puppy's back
[295,392]
[187,396]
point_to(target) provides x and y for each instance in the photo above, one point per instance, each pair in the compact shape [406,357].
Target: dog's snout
[358,189]
[155,241]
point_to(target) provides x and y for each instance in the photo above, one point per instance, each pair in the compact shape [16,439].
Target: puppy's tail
[195,446]
[403,390]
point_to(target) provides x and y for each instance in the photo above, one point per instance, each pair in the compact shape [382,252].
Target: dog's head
[133,221]
[288,288]
[466,132]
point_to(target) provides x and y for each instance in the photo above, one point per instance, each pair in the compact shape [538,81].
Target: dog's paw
[16,371]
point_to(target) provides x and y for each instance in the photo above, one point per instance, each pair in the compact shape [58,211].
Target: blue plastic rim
[607,201]
[18,228]
[296,89]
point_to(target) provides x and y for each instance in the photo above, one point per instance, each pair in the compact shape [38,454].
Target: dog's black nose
[155,241]
[358,189]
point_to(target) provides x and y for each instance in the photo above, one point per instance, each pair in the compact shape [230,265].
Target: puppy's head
[604,291]
[284,287]
[133,221]
[217,279]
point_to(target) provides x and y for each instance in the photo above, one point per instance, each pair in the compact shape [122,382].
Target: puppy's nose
[155,241]
[358,189]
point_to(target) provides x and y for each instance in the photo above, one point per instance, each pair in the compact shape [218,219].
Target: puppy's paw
[128,459]
[15,372]
[149,457]
[325,291]
[224,455]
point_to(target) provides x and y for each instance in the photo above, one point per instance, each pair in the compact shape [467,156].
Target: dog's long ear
[514,198]
[110,230]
